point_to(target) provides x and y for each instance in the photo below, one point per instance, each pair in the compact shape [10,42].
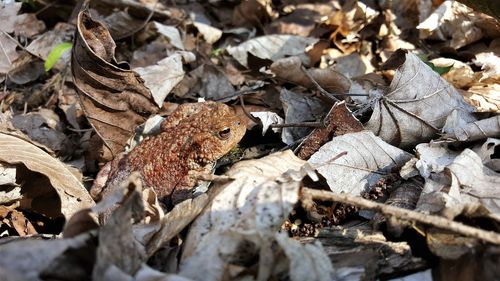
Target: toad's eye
[225,133]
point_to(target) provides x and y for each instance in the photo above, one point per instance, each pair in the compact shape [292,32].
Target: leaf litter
[404,142]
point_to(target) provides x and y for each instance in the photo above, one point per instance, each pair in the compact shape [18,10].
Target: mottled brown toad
[192,138]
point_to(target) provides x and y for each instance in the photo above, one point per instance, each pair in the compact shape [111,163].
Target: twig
[136,5]
[436,221]
[79,130]
[20,46]
[318,86]
[140,27]
[302,124]
[250,116]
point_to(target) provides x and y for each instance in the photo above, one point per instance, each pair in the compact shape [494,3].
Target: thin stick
[303,124]
[436,221]
[324,92]
[256,120]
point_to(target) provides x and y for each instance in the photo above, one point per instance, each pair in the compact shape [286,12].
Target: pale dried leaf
[490,66]
[172,33]
[272,47]
[173,223]
[7,175]
[465,187]
[146,273]
[209,33]
[487,152]
[477,181]
[204,26]
[72,194]
[8,53]
[433,158]
[452,20]
[165,75]
[419,276]
[268,118]
[482,129]
[307,262]
[45,43]
[8,15]
[484,97]
[368,159]
[460,74]
[10,196]
[246,211]
[416,106]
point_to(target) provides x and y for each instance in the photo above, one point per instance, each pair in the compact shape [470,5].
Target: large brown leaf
[113,97]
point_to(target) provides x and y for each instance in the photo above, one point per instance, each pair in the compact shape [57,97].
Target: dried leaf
[478,130]
[248,210]
[459,74]
[465,186]
[414,111]
[172,223]
[25,69]
[211,83]
[8,15]
[268,118]
[353,65]
[303,20]
[8,54]
[44,127]
[7,177]
[484,97]
[254,12]
[490,66]
[272,47]
[165,75]
[456,21]
[209,33]
[122,25]
[338,121]
[307,261]
[368,159]
[172,33]
[37,254]
[433,158]
[299,108]
[27,25]
[18,221]
[290,70]
[71,193]
[487,153]
[117,246]
[114,99]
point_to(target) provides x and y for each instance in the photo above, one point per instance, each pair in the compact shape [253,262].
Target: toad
[190,141]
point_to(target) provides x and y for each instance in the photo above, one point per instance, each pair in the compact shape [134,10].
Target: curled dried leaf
[113,98]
